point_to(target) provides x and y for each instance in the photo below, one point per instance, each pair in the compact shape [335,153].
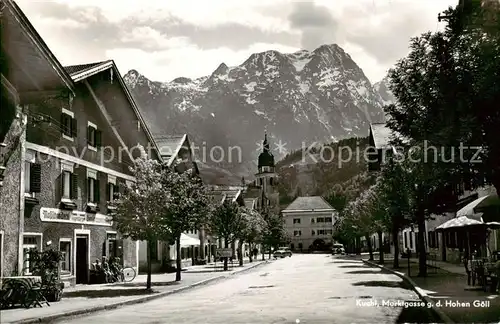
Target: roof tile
[309,203]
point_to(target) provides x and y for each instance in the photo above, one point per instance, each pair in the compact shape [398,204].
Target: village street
[312,288]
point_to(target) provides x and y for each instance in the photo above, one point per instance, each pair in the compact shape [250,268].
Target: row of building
[68,137]
[443,245]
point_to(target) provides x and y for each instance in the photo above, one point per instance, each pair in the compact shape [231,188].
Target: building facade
[29,72]
[76,160]
[309,222]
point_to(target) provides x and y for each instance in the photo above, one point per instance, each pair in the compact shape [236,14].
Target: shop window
[65,248]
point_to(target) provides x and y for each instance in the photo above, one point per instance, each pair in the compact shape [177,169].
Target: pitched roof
[39,42]
[250,202]
[381,135]
[82,71]
[83,68]
[311,203]
[170,145]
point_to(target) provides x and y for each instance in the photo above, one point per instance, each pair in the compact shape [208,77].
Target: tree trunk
[226,245]
[250,255]
[381,247]
[148,279]
[201,236]
[178,264]
[240,252]
[370,247]
[358,245]
[422,254]
[262,251]
[395,238]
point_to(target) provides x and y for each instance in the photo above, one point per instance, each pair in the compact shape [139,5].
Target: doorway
[82,267]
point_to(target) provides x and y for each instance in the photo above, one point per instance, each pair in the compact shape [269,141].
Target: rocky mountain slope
[300,98]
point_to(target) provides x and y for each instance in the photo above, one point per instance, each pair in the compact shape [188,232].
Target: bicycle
[128,274]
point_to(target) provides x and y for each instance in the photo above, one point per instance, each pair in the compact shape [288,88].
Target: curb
[140,300]
[423,296]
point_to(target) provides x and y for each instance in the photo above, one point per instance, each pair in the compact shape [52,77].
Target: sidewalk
[446,287]
[83,299]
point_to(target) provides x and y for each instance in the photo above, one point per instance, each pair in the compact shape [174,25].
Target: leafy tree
[274,232]
[188,208]
[227,221]
[394,192]
[254,226]
[141,207]
[446,92]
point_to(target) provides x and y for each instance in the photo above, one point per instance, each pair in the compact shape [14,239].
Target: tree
[252,232]
[227,222]
[141,207]
[188,208]
[274,232]
[394,192]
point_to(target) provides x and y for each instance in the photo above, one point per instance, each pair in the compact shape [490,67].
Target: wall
[49,135]
[306,227]
[10,208]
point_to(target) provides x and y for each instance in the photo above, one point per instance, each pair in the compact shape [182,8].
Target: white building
[309,222]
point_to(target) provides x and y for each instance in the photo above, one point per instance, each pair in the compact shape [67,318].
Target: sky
[166,39]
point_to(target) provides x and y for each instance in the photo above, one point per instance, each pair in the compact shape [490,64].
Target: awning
[187,240]
[462,221]
[468,210]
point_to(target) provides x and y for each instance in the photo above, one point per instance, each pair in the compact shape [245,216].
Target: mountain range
[299,99]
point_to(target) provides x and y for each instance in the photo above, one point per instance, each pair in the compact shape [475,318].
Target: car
[282,252]
[338,248]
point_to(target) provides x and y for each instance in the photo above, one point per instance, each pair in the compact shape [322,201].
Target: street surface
[313,288]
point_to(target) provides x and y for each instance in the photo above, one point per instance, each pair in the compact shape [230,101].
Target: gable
[309,204]
[105,79]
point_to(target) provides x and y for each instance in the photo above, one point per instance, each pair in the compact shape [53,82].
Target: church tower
[266,179]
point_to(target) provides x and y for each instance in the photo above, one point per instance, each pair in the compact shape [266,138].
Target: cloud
[192,37]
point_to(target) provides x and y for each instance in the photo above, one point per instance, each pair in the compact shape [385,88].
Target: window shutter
[87,190]
[108,192]
[35,177]
[98,138]
[73,127]
[97,193]
[89,133]
[74,186]
[63,123]
[59,188]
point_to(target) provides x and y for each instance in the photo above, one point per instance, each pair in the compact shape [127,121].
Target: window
[328,219]
[31,243]
[112,189]
[154,251]
[68,124]
[320,220]
[111,248]
[32,173]
[297,233]
[93,187]
[296,220]
[313,232]
[406,239]
[411,240]
[312,220]
[65,248]
[94,135]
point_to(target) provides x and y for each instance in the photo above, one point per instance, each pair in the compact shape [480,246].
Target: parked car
[282,252]
[338,248]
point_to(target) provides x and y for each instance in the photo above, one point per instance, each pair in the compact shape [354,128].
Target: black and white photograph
[246,162]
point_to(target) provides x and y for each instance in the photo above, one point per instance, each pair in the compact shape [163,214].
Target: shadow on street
[354,267]
[346,261]
[364,272]
[153,284]
[386,284]
[108,293]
